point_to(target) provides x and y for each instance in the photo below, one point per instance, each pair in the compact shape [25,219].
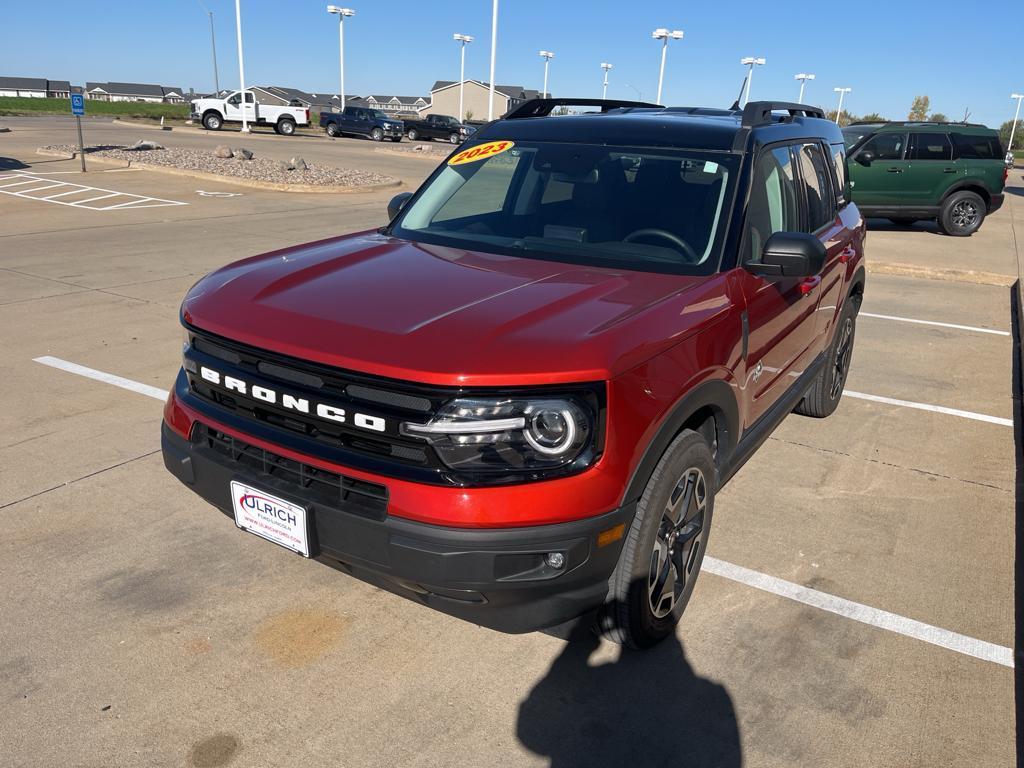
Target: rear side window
[821,209]
[886,146]
[930,146]
[839,159]
[976,147]
[773,202]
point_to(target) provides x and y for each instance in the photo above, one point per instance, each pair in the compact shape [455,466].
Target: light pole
[342,13]
[494,51]
[751,62]
[842,92]
[607,68]
[547,56]
[241,63]
[639,93]
[803,81]
[213,44]
[1016,115]
[462,39]
[664,35]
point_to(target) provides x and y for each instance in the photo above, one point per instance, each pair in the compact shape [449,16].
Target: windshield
[646,209]
[855,133]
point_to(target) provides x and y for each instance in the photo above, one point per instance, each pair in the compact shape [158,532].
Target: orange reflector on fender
[604,538]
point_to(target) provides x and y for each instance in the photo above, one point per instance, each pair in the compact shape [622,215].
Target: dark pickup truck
[443,127]
[361,121]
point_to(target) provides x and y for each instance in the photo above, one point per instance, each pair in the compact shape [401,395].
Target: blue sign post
[78,109]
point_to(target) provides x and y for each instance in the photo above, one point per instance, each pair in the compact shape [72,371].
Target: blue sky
[960,54]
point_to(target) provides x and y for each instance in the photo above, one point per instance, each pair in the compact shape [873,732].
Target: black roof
[948,125]
[649,126]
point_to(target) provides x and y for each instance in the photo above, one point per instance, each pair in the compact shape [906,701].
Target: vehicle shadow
[884,225]
[647,708]
[10,164]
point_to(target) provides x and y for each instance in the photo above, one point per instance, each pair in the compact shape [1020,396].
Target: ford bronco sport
[516,402]
[949,172]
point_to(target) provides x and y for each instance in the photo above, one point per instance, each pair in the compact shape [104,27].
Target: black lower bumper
[498,578]
[995,202]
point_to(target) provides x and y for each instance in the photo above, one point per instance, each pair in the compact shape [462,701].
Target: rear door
[880,182]
[932,168]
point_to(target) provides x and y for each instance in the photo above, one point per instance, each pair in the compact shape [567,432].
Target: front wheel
[212,121]
[332,130]
[826,391]
[660,561]
[411,134]
[454,138]
[285,127]
[961,214]
[377,134]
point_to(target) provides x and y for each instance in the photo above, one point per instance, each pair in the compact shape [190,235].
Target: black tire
[902,221]
[285,127]
[453,138]
[666,541]
[377,134]
[332,130]
[961,214]
[411,134]
[826,391]
[212,121]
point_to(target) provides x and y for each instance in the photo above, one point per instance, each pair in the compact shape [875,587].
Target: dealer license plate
[271,517]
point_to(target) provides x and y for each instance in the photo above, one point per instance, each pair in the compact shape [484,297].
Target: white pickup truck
[213,113]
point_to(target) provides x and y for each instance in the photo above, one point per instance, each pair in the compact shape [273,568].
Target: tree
[874,117]
[844,119]
[919,109]
[469,115]
[937,117]
[1018,136]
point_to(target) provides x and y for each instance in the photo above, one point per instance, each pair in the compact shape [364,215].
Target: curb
[251,183]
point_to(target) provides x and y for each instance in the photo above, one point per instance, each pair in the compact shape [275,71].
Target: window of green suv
[886,146]
[976,147]
[930,146]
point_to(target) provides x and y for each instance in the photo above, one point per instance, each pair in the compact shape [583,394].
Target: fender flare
[970,185]
[715,394]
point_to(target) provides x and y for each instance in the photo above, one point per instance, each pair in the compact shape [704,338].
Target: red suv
[516,402]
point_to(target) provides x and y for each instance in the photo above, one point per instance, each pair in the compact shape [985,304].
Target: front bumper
[497,578]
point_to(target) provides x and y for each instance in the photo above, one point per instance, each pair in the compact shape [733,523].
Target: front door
[233,110]
[880,182]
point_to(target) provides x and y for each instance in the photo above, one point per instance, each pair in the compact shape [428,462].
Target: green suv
[951,172]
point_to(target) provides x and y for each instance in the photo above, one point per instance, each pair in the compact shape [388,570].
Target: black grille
[306,482]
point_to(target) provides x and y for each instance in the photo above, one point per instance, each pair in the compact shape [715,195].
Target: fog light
[555,559]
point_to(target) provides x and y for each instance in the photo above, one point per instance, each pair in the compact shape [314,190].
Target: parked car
[362,121]
[213,113]
[953,173]
[444,127]
[517,402]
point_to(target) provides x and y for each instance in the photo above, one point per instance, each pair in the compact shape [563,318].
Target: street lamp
[1016,115]
[463,39]
[606,67]
[213,44]
[750,62]
[639,93]
[547,56]
[241,63]
[342,13]
[803,81]
[494,51]
[663,34]
[842,92]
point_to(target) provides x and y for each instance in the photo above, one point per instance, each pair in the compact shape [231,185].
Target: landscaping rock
[243,153]
[298,164]
[143,144]
[286,165]
[223,151]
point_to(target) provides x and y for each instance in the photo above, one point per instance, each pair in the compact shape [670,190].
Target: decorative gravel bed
[259,169]
[419,148]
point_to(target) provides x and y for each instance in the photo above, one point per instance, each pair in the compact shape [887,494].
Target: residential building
[409,105]
[444,99]
[34,87]
[147,92]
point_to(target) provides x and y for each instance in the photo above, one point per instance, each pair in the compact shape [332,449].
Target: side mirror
[790,254]
[397,204]
[865,158]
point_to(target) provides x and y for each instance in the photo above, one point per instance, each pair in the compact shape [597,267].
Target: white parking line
[14,184]
[865,614]
[928,407]
[955,326]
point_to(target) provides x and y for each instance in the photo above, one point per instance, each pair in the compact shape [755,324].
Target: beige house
[444,99]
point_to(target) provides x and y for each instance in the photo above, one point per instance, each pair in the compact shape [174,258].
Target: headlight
[517,435]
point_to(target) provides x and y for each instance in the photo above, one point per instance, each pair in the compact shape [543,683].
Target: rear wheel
[285,126]
[377,134]
[664,548]
[961,214]
[332,130]
[412,134]
[826,391]
[454,138]
[212,121]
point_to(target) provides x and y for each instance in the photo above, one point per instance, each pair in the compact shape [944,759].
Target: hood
[380,305]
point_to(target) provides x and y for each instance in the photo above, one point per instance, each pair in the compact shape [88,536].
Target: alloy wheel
[841,363]
[677,543]
[964,214]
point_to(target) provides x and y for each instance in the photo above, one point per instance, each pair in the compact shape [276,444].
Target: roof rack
[760,112]
[543,107]
[918,122]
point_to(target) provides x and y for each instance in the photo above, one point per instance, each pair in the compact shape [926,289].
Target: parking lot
[857,607]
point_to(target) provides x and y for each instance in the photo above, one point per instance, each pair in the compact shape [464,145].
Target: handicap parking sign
[77,104]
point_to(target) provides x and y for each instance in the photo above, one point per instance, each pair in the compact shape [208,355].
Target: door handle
[809,284]
[894,170]
[847,253]
[949,170]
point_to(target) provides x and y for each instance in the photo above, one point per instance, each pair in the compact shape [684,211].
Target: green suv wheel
[961,214]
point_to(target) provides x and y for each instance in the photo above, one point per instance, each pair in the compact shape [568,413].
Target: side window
[773,202]
[842,174]
[976,147]
[931,146]
[235,100]
[249,98]
[821,210]
[886,146]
